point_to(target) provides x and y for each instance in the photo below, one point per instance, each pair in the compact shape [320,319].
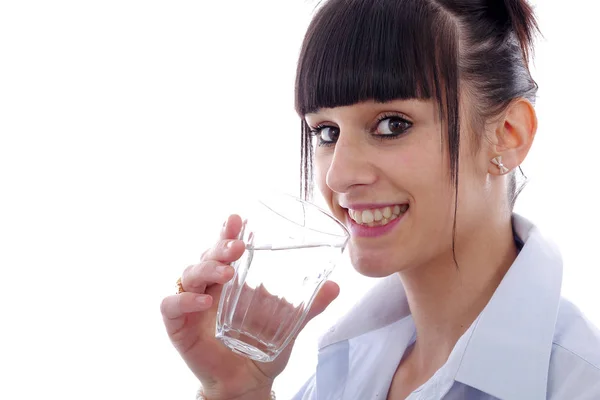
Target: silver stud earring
[498,162]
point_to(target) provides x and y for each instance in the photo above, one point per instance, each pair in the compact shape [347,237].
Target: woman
[420,112]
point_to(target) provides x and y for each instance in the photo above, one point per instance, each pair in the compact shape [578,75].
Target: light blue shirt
[527,344]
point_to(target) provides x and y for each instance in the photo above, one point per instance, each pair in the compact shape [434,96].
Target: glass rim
[264,198]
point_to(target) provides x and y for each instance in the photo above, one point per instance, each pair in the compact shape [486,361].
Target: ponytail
[523,24]
[516,16]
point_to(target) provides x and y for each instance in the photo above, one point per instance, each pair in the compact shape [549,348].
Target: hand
[190,320]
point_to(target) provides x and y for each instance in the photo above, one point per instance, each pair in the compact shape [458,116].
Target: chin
[372,264]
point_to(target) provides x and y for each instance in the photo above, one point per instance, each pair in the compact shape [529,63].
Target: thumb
[327,294]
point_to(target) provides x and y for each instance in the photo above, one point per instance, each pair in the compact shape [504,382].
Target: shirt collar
[508,355]
[508,352]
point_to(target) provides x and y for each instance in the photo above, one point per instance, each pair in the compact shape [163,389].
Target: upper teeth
[383,215]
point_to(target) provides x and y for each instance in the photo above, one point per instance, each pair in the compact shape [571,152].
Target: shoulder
[575,359]
[574,333]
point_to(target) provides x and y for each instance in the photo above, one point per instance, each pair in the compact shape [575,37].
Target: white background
[129,130]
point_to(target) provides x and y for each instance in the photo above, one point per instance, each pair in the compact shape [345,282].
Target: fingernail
[229,244]
[202,300]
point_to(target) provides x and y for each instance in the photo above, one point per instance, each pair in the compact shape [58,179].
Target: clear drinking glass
[291,248]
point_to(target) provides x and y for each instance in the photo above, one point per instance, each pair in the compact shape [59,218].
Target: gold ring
[179,286]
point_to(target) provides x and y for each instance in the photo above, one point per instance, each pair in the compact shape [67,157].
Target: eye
[326,134]
[392,126]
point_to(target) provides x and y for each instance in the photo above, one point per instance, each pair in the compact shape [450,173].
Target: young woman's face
[383,169]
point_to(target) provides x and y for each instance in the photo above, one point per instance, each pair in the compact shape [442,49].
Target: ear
[514,135]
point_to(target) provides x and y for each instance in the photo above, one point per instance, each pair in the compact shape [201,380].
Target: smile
[377,216]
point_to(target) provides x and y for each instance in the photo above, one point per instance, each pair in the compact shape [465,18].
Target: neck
[444,300]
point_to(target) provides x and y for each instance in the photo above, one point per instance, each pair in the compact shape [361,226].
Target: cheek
[426,179]
[422,171]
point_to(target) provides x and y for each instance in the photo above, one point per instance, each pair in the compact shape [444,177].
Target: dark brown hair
[358,50]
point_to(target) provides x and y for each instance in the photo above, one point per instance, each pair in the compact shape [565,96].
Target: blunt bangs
[381,50]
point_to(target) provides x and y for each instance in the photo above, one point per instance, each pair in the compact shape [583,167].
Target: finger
[197,277]
[232,227]
[225,251]
[175,308]
[271,317]
[268,315]
[229,231]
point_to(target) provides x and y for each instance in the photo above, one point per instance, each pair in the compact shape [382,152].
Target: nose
[350,165]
